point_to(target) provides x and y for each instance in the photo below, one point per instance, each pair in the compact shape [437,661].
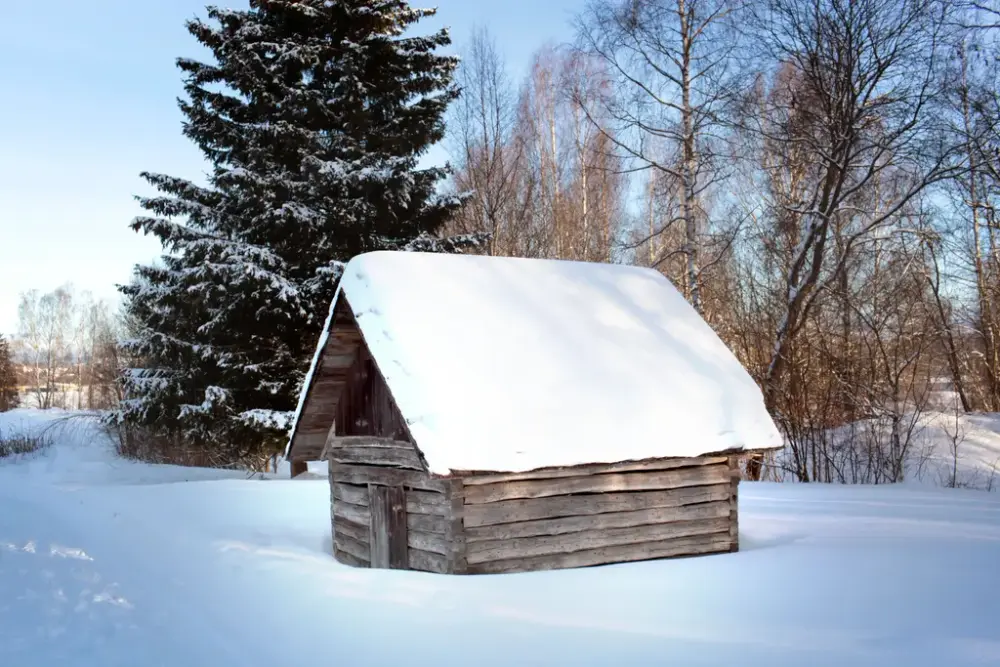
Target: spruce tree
[9,397]
[313,116]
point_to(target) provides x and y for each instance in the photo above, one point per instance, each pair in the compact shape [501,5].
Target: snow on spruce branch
[451,244]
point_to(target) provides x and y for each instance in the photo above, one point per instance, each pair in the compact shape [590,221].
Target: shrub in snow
[16,443]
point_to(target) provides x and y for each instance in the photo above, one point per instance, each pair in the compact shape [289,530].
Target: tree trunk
[690,164]
[986,315]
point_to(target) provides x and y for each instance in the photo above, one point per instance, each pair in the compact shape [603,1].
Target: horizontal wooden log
[341,348]
[308,445]
[349,493]
[426,502]
[349,441]
[395,457]
[349,559]
[511,511]
[427,523]
[355,513]
[572,524]
[352,546]
[432,542]
[474,479]
[685,546]
[526,547]
[427,561]
[374,451]
[352,529]
[604,483]
[417,502]
[358,474]
[333,362]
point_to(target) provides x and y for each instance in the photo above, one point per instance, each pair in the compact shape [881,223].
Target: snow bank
[148,571]
[85,454]
[513,364]
[964,446]
[938,448]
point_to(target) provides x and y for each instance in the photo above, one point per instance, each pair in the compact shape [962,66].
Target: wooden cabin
[488,415]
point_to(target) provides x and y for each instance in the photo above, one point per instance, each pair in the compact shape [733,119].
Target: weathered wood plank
[326,385]
[365,406]
[715,510]
[330,434]
[308,445]
[349,545]
[475,479]
[604,483]
[426,502]
[511,511]
[417,502]
[350,493]
[355,513]
[432,542]
[734,521]
[332,362]
[353,529]
[341,344]
[357,474]
[686,546]
[527,547]
[398,558]
[351,441]
[427,523]
[349,559]
[379,526]
[455,534]
[401,455]
[427,561]
[388,527]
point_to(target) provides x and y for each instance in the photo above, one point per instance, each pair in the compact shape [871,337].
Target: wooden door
[388,527]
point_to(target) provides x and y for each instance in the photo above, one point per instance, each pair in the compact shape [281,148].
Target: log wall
[428,517]
[593,515]
[521,522]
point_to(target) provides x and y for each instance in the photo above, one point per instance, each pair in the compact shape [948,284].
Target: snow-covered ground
[106,563]
[973,439]
[945,448]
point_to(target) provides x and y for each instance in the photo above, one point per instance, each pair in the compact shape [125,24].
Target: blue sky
[89,92]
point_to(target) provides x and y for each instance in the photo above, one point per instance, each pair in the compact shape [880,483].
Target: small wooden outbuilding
[486,415]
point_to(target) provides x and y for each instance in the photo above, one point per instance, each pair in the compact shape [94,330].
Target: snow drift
[105,563]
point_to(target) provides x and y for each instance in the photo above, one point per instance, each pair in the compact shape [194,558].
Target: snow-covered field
[106,563]
[974,439]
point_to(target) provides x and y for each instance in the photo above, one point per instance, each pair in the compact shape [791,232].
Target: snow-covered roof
[509,365]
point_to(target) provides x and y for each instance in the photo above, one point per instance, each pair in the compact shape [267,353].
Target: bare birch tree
[540,179]
[867,80]
[45,332]
[487,145]
[673,67]
[976,191]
